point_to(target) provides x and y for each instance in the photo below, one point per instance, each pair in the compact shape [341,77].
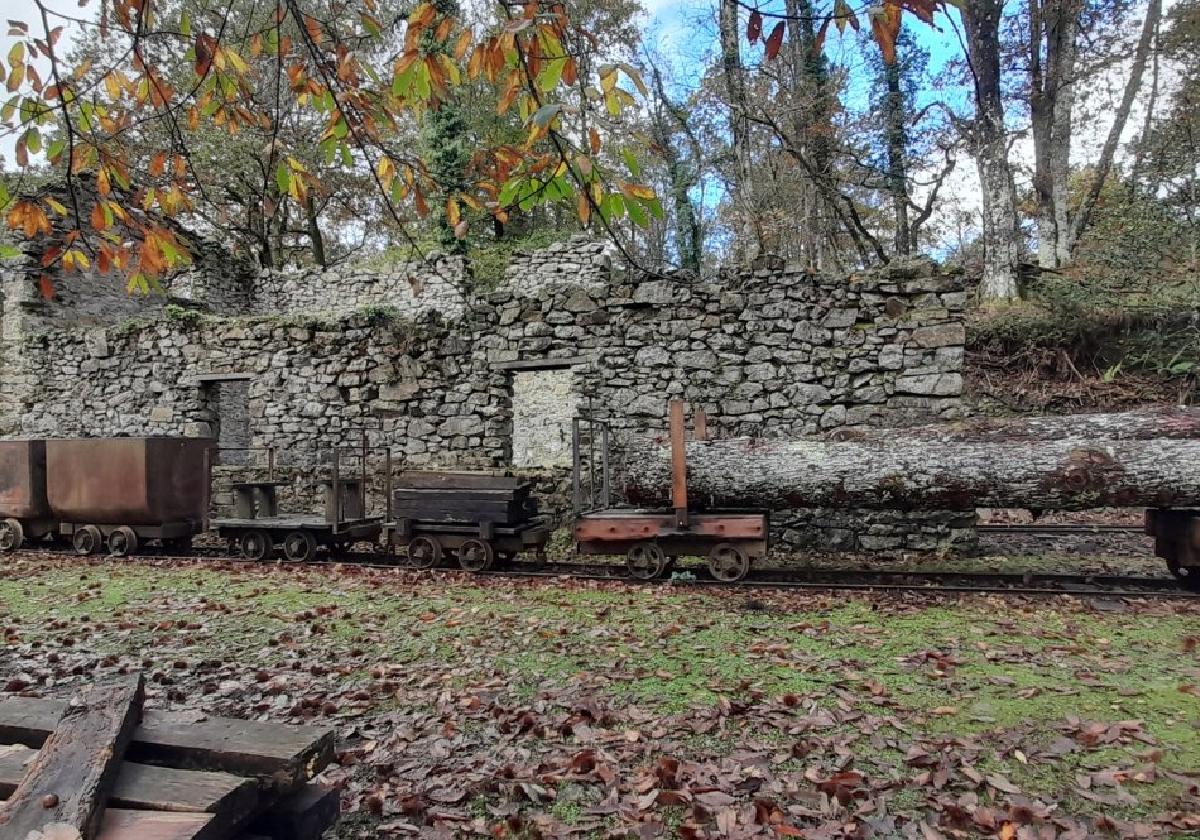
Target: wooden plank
[69,781]
[305,815]
[230,799]
[283,756]
[440,494]
[121,824]
[461,510]
[418,480]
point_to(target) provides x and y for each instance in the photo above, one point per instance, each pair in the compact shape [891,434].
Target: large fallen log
[1142,424]
[917,469]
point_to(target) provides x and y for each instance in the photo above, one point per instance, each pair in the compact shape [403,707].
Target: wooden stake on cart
[678,466]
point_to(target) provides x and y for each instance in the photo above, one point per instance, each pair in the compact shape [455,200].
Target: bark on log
[1030,466]
[1144,424]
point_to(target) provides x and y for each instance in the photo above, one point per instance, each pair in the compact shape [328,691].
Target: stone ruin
[416,357]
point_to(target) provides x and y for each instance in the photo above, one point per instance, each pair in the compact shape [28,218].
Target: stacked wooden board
[462,497]
[104,768]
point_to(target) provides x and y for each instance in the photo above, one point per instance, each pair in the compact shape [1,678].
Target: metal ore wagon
[480,518]
[113,492]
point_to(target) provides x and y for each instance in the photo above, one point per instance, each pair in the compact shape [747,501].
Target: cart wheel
[299,546]
[122,542]
[11,535]
[476,555]
[1188,576]
[256,544]
[424,552]
[645,561]
[87,540]
[728,563]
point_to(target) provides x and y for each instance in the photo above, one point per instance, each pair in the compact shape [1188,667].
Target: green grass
[1000,674]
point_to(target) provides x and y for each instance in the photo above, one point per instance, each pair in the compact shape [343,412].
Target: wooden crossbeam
[68,783]
[230,800]
[121,824]
[283,757]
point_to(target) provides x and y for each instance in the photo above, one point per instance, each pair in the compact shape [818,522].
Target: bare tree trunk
[1053,33]
[897,149]
[1132,86]
[689,237]
[315,239]
[1147,124]
[739,124]
[1060,148]
[899,470]
[1001,234]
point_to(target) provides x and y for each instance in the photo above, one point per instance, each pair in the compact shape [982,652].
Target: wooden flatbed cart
[257,528]
[729,540]
[480,518]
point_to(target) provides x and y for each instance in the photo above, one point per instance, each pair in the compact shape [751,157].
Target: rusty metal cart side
[120,492]
[24,511]
[729,540]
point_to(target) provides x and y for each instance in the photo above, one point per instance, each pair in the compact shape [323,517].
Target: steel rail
[920,581]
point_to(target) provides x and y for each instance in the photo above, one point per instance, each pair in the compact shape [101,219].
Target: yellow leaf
[386,170]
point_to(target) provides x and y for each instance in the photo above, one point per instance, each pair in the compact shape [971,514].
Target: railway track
[897,581]
[900,581]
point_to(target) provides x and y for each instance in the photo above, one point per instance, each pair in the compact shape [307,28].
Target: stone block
[658,292]
[940,335]
[840,318]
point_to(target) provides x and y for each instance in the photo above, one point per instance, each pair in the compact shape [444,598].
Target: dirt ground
[483,707]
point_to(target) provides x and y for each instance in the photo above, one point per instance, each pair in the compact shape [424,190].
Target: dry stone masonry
[445,375]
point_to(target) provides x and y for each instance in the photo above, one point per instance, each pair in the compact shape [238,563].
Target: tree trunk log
[1143,424]
[1148,459]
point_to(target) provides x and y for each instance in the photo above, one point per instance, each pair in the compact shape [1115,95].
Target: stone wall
[217,283]
[769,351]
[437,283]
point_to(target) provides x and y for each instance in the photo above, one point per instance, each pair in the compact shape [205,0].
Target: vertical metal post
[604,456]
[363,473]
[576,489]
[208,463]
[334,505]
[387,492]
[700,421]
[678,465]
[593,490]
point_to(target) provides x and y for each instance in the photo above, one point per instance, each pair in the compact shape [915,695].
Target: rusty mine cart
[730,540]
[117,493]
